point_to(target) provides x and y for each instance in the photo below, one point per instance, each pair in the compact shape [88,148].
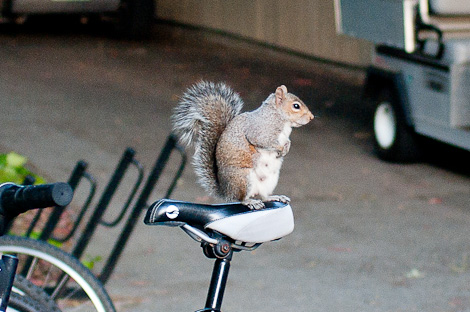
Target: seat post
[217,285]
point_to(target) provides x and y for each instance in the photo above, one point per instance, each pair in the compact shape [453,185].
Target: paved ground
[370,236]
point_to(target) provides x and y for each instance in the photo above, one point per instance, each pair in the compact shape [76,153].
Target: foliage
[12,169]
[53,242]
[90,261]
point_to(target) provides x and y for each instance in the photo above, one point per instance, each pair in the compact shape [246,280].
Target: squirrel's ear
[280,94]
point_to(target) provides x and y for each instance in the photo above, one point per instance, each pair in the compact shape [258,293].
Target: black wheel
[136,18]
[71,285]
[21,303]
[394,140]
[23,287]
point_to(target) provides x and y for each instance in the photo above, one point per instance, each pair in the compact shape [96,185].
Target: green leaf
[9,174]
[3,160]
[39,180]
[90,261]
[12,169]
[15,160]
[53,242]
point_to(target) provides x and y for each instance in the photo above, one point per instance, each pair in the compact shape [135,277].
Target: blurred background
[85,80]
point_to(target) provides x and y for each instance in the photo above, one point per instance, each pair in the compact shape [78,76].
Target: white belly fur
[264,177]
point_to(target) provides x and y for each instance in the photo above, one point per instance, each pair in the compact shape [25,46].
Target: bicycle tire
[60,274]
[23,303]
[25,288]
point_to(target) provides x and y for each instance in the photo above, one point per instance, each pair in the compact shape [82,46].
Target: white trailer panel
[389,22]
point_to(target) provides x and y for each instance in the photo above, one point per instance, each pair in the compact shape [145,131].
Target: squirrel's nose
[310,115]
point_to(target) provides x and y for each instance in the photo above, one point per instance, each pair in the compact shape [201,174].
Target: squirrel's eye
[296,106]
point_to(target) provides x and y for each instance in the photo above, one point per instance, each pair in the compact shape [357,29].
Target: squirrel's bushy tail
[199,119]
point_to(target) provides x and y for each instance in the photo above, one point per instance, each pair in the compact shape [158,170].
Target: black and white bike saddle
[234,221]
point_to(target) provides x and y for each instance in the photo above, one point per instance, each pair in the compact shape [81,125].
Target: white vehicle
[134,18]
[420,75]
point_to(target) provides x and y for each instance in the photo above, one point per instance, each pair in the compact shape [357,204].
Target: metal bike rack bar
[124,209]
[169,147]
[93,222]
[77,175]
[91,180]
[80,174]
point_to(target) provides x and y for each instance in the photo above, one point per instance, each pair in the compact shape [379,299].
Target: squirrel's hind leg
[253,204]
[258,203]
[279,198]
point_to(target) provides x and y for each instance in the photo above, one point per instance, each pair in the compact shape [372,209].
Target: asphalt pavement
[369,235]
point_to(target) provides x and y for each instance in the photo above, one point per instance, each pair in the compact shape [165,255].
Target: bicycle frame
[8,265]
[222,251]
[217,285]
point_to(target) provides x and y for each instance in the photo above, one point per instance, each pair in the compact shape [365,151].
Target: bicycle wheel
[23,287]
[21,303]
[71,285]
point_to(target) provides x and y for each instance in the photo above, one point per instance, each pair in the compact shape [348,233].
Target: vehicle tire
[70,284]
[22,303]
[23,287]
[136,18]
[394,139]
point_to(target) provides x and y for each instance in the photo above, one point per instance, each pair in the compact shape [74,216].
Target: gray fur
[199,119]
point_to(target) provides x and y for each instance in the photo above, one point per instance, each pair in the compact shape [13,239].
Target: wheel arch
[378,79]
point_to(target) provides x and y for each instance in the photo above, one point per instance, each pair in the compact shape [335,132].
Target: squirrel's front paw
[279,198]
[283,150]
[286,149]
[253,204]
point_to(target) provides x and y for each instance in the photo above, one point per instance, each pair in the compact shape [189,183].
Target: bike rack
[96,216]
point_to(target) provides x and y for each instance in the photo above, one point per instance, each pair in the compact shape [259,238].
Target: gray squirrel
[238,156]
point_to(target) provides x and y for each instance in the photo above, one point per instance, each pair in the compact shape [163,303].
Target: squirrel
[238,156]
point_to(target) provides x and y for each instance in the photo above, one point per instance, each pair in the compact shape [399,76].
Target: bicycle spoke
[32,266]
[59,287]
[49,276]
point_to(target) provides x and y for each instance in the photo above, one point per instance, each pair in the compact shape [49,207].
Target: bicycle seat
[234,220]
